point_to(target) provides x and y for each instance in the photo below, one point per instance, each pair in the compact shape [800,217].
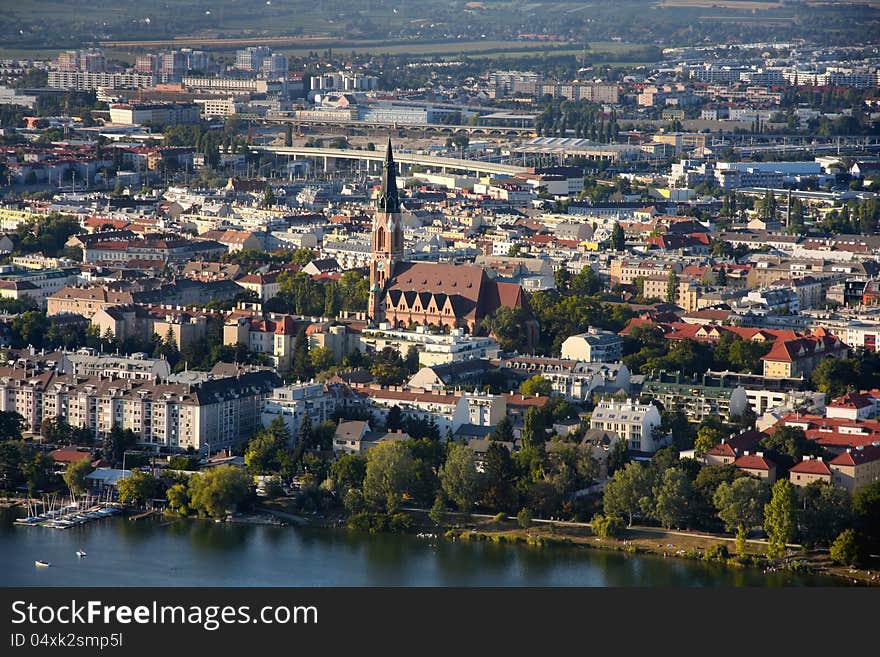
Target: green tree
[847,549]
[116,442]
[628,492]
[219,490]
[503,431]
[412,359]
[707,438]
[826,511]
[437,514]
[269,197]
[536,385]
[390,474]
[672,497]
[459,477]
[348,471]
[779,518]
[138,488]
[587,282]
[834,376]
[534,430]
[354,291]
[618,238]
[618,456]
[607,526]
[506,326]
[740,504]
[354,501]
[672,287]
[178,499]
[388,368]
[321,358]
[499,472]
[524,518]
[562,278]
[268,449]
[75,476]
[302,257]
[866,508]
[11,425]
[790,441]
[302,364]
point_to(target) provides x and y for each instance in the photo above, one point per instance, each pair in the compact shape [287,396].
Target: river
[122,552]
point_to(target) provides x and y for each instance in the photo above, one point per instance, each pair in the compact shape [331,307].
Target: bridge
[444,164]
[410,128]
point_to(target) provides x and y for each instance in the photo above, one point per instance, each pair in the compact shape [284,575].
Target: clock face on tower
[381,265]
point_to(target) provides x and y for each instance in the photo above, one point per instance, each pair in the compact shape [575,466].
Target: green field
[422,26]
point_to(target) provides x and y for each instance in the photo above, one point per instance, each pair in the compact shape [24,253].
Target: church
[446,295]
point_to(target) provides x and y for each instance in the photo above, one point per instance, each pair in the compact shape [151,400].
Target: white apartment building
[292,403]
[434,348]
[630,420]
[448,410]
[84,81]
[594,346]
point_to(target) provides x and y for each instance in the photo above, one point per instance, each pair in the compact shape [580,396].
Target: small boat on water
[39,563]
[80,553]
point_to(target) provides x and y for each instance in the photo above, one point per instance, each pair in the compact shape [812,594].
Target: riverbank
[659,542]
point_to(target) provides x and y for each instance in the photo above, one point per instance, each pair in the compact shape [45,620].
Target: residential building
[293,402]
[636,423]
[272,335]
[594,346]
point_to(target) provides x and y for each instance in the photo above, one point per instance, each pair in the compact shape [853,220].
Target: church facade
[405,293]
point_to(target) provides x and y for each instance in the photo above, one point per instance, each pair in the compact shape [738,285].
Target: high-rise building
[196,60]
[251,59]
[148,63]
[172,66]
[275,65]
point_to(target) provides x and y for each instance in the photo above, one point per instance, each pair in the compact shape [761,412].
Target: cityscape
[505,294]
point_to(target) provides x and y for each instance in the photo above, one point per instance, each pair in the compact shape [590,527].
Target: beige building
[634,422]
[626,272]
[265,286]
[273,335]
[856,468]
[137,322]
[810,469]
[216,414]
[85,301]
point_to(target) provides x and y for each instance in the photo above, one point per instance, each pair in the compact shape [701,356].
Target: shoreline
[637,541]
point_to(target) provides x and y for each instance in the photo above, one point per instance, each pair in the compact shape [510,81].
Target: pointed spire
[388,200]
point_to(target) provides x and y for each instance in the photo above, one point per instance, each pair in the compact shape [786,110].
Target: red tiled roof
[811,466]
[834,432]
[518,400]
[853,457]
[70,455]
[852,400]
[754,462]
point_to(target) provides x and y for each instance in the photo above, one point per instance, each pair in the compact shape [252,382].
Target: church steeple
[387,236]
[388,200]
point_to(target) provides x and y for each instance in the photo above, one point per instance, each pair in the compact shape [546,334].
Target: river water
[122,552]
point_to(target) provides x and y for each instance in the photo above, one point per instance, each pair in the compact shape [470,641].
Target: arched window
[380,238]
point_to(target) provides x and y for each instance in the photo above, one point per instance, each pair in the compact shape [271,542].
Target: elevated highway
[444,164]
